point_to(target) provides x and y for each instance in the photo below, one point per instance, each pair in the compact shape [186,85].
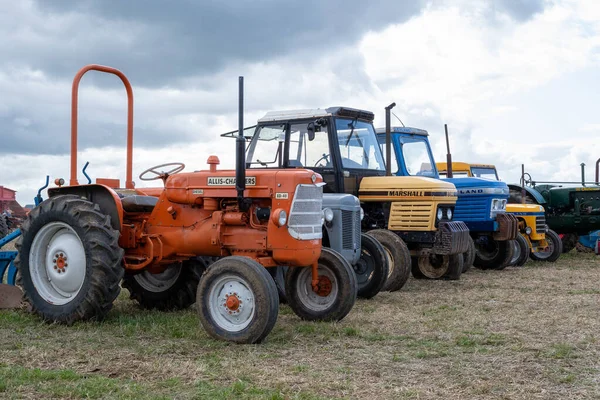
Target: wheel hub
[60,262]
[433,266]
[324,286]
[233,303]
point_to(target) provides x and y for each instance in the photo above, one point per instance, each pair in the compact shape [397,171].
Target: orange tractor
[79,244]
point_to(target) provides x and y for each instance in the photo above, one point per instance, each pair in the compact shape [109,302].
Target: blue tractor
[481,202]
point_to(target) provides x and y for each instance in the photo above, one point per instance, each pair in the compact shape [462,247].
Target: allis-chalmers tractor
[80,243]
[340,144]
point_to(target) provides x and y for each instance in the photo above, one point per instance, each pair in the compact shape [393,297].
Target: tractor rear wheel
[492,254]
[69,260]
[569,241]
[3,226]
[237,300]
[337,289]
[435,266]
[278,274]
[398,257]
[372,268]
[469,256]
[173,289]
[552,252]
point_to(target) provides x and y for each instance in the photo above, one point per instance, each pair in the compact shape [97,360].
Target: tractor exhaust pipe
[240,154]
[448,155]
[598,171]
[388,140]
[522,183]
[583,174]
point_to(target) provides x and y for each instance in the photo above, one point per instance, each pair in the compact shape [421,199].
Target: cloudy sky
[516,80]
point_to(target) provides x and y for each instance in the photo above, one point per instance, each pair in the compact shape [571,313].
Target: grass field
[528,333]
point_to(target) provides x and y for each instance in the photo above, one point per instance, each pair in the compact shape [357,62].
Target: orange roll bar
[74,100]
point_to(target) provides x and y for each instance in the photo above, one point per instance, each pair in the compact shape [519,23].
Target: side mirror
[310,131]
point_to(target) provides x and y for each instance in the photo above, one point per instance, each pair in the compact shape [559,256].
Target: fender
[107,199]
[532,192]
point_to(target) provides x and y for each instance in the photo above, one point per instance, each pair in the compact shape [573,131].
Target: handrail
[74,99]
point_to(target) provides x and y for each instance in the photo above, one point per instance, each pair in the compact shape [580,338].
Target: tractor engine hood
[386,188]
[479,186]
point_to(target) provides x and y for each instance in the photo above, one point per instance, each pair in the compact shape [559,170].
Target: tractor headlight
[279,217]
[528,230]
[498,205]
[362,214]
[328,214]
[449,213]
[440,213]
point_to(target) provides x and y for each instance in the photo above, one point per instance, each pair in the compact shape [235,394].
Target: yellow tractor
[534,239]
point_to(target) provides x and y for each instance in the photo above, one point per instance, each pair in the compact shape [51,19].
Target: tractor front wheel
[372,267]
[521,251]
[492,254]
[398,257]
[237,300]
[336,293]
[469,256]
[69,260]
[552,252]
[435,266]
[173,289]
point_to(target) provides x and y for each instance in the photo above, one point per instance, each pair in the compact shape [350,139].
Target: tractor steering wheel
[162,174]
[326,158]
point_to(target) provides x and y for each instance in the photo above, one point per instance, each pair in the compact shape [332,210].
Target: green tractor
[572,208]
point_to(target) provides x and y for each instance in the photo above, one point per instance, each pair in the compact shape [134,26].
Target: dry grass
[514,334]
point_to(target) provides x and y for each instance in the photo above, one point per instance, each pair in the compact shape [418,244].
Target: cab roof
[286,115]
[404,129]
[461,166]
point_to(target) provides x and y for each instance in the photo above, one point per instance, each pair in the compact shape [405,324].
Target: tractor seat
[138,203]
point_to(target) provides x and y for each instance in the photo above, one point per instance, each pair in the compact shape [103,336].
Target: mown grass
[519,333]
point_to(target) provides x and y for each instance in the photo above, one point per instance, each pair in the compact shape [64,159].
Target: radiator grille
[305,220]
[350,229]
[471,209]
[540,224]
[410,216]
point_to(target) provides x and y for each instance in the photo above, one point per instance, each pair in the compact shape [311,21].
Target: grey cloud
[520,10]
[162,40]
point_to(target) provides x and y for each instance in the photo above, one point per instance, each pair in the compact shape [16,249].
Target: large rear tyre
[337,289]
[237,300]
[435,266]
[69,260]
[372,268]
[3,226]
[492,254]
[469,256]
[569,242]
[278,275]
[552,252]
[398,257]
[173,289]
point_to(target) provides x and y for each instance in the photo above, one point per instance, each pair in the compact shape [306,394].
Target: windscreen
[266,147]
[358,145]
[417,159]
[443,174]
[484,172]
